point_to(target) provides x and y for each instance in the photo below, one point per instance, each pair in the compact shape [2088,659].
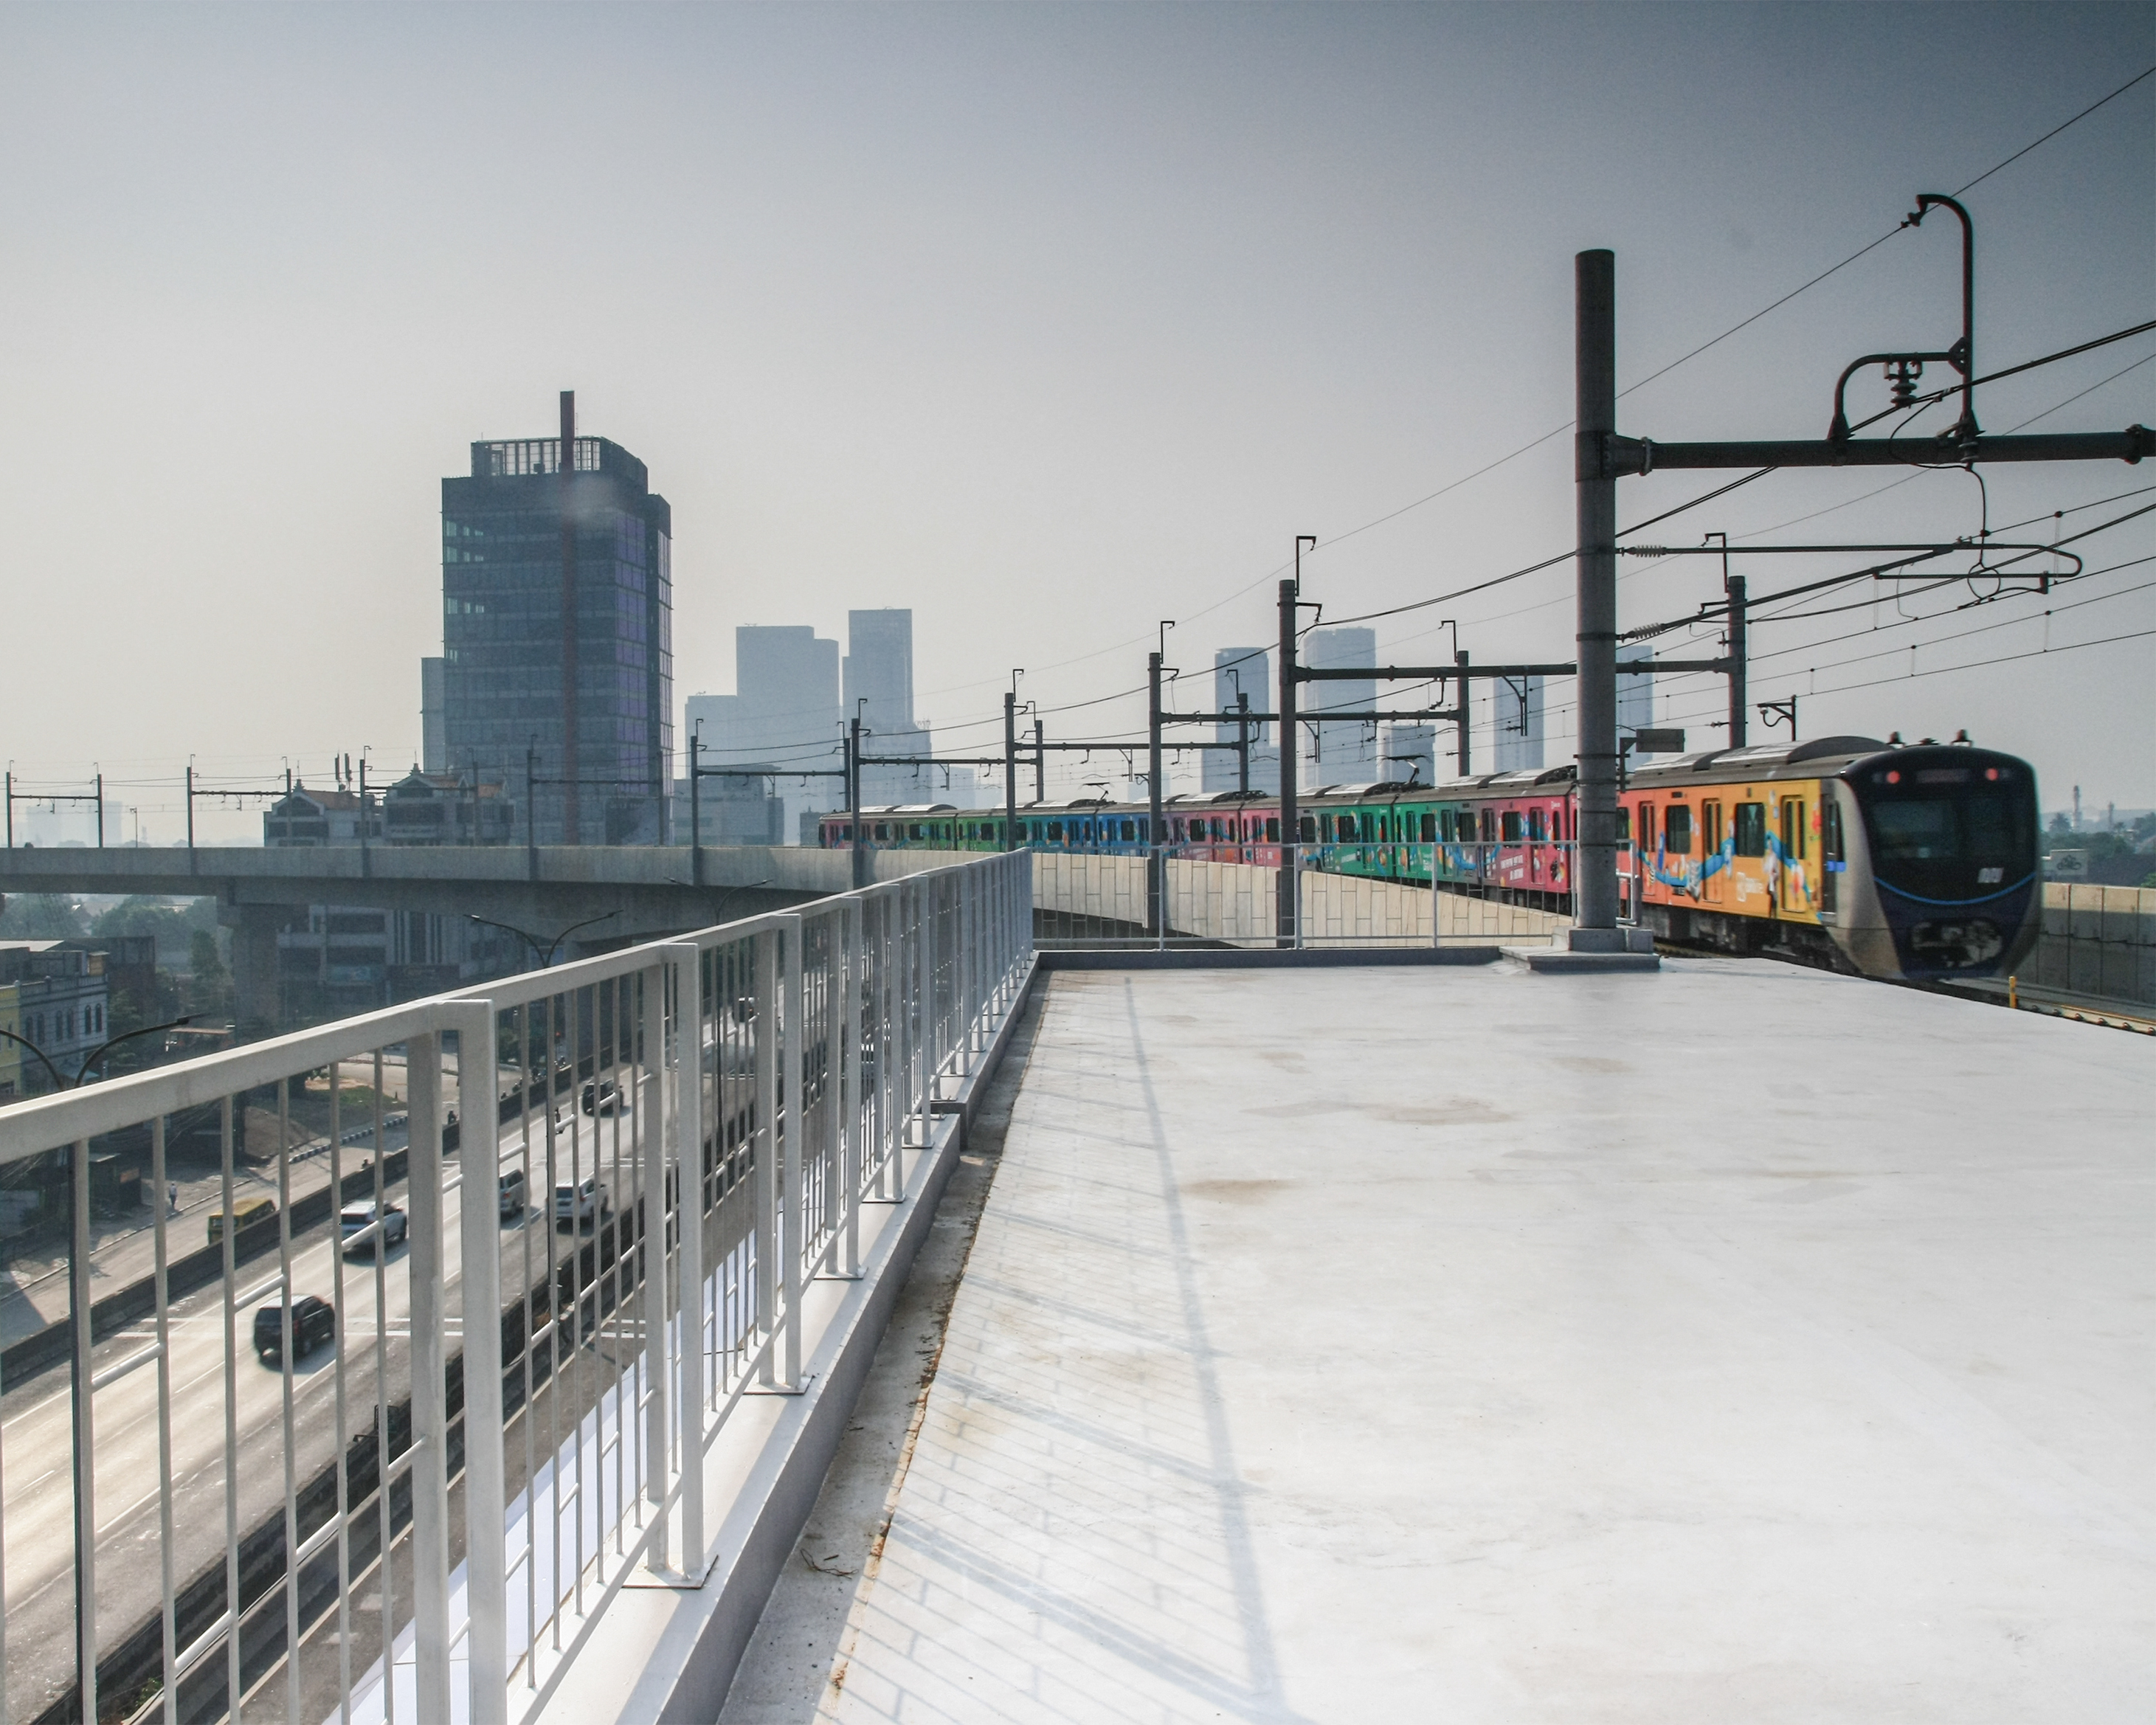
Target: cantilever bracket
[1603,455]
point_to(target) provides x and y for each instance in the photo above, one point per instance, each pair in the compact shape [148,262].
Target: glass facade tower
[505,527]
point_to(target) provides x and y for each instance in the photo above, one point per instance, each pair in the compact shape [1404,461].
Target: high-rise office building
[879,686]
[1517,710]
[433,747]
[583,689]
[1340,751]
[1245,671]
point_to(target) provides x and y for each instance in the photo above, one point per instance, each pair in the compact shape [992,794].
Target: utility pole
[1010,769]
[1156,858]
[1040,765]
[101,809]
[365,866]
[571,762]
[1595,395]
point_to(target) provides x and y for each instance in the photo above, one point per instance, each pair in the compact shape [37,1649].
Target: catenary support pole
[1467,713]
[1242,743]
[1010,769]
[1156,857]
[1040,765]
[1285,890]
[696,810]
[853,799]
[1733,585]
[571,766]
[1595,387]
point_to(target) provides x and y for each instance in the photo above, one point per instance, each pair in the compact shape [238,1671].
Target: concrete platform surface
[1736,1343]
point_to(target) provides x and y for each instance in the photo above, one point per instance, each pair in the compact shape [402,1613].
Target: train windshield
[1949,832]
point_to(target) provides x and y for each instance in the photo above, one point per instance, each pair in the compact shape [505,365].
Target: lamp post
[544,949]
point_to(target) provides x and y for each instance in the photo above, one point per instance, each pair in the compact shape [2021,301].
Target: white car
[574,1203]
[356,1224]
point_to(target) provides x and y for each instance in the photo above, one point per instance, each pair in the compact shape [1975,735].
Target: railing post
[478,1154]
[767,1144]
[794,1235]
[649,1139]
[848,1103]
[686,962]
[82,1412]
[429,1471]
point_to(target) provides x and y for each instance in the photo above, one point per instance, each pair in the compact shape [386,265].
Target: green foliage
[171,924]
[42,916]
[209,987]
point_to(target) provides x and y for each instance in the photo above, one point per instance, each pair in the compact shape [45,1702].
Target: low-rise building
[302,818]
[61,1003]
[11,1051]
[447,808]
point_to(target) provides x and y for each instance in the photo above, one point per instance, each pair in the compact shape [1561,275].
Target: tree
[42,916]
[209,987]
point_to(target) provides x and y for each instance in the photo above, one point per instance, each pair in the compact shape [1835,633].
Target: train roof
[1822,755]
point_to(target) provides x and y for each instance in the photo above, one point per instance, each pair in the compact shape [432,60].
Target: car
[515,1194]
[314,1322]
[602,1095]
[356,1223]
[574,1203]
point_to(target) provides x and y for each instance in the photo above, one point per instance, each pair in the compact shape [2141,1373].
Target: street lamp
[82,1072]
[544,949]
[720,903]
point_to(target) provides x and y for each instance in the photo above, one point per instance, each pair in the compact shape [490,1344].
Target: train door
[1793,895]
[1830,856]
[1714,867]
[1643,848]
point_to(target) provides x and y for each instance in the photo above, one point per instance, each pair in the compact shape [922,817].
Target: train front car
[1941,862]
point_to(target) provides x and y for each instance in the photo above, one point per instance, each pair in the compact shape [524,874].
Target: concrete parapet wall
[1235,901]
[2098,940]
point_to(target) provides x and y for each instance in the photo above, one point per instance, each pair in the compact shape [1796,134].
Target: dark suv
[314,1322]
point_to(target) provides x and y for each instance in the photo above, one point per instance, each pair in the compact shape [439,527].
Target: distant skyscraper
[784,712]
[1636,694]
[879,686]
[515,533]
[1345,753]
[1245,671]
[1410,754]
[1517,705]
[433,747]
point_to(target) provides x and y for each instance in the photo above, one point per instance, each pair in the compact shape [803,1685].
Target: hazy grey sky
[1048,321]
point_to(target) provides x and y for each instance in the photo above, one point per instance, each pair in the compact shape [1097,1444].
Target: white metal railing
[525,1380]
[1346,894]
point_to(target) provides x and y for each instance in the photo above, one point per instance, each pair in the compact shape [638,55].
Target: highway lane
[374,1323]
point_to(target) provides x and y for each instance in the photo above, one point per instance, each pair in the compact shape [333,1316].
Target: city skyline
[1053,414]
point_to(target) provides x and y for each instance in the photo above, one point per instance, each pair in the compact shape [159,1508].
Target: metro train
[1907,861]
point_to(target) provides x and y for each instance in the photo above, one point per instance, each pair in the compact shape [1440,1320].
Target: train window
[1535,825]
[1489,827]
[883,830]
[1646,826]
[1710,829]
[1677,830]
[1272,829]
[1623,826]
[1793,829]
[1129,830]
[1508,826]
[1055,832]
[1428,827]
[914,830]
[1751,830]
[1307,829]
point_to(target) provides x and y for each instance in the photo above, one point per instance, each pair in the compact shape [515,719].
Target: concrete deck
[1735,1343]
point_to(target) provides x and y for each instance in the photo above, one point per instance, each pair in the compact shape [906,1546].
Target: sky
[1052,323]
